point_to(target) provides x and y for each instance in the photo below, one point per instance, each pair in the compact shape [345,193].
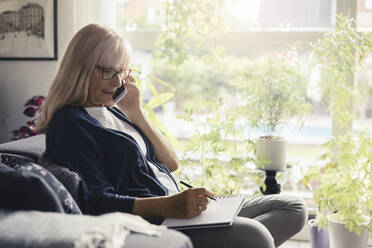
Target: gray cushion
[24,166]
[23,190]
[70,179]
[31,147]
[61,231]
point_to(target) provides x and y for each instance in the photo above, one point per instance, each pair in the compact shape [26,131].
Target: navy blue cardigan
[112,166]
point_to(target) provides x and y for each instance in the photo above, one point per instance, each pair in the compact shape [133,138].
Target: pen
[190,187]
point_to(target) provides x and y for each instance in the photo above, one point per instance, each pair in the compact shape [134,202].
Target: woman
[124,162]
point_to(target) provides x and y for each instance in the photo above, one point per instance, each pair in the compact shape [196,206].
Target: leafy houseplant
[32,108]
[338,56]
[272,94]
[218,155]
[343,184]
[158,98]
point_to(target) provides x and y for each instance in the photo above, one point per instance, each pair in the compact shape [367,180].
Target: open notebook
[219,213]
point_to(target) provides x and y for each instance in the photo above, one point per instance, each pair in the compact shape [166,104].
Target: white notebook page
[218,213]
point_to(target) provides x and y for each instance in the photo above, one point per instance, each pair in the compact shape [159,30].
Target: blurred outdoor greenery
[206,85]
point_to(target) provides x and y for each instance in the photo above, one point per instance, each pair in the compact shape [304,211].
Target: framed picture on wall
[28,29]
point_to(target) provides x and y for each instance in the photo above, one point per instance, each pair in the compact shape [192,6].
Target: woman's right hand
[188,203]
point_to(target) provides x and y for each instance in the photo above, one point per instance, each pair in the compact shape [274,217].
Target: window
[241,14]
[138,14]
[363,106]
[364,15]
[280,15]
[255,28]
[364,78]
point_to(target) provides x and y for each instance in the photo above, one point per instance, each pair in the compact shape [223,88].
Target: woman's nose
[116,81]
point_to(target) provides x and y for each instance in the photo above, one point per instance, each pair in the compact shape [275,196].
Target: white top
[109,120]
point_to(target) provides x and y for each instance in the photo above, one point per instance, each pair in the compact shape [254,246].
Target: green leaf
[151,88]
[160,125]
[159,100]
[159,81]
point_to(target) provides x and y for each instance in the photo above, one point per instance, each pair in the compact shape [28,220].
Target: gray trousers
[263,222]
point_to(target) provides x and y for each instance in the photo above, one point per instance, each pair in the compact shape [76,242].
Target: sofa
[40,207]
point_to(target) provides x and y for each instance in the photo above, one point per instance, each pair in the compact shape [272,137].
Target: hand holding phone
[120,93]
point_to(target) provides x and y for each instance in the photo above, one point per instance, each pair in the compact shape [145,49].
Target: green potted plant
[273,93]
[342,189]
[339,55]
[218,155]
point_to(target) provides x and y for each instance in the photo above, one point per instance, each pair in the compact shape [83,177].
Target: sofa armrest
[31,147]
[43,229]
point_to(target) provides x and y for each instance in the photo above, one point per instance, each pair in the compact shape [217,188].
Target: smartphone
[120,93]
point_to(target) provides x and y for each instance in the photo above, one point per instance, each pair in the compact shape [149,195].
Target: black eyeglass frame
[120,71]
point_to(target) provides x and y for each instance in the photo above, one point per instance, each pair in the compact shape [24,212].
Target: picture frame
[28,30]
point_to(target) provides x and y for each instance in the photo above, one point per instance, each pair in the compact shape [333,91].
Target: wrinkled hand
[131,103]
[189,203]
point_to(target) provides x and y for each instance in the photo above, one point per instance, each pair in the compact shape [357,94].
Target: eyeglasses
[108,74]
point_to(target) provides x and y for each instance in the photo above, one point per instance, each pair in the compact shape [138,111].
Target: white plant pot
[273,150]
[341,237]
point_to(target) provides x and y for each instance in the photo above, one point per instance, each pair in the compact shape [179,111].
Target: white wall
[20,80]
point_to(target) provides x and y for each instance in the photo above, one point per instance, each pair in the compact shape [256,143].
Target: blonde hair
[93,45]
